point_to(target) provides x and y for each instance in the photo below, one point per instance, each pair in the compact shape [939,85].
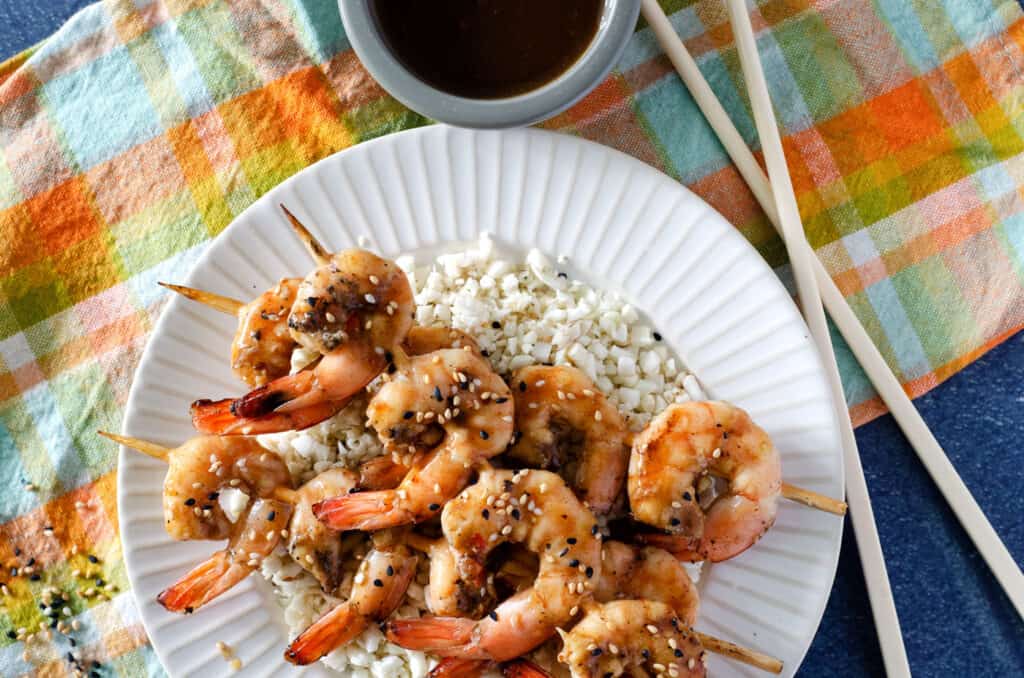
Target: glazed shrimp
[262,348]
[452,394]
[378,589]
[680,447]
[200,469]
[448,593]
[252,539]
[355,310]
[566,425]
[313,545]
[632,637]
[532,508]
[646,573]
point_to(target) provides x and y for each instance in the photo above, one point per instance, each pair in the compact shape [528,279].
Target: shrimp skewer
[537,510]
[378,590]
[568,426]
[451,393]
[197,472]
[672,486]
[320,254]
[355,311]
[262,346]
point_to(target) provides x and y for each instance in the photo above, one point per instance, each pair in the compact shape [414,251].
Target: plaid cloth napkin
[136,133]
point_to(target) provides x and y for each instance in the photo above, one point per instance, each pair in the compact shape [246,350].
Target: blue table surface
[955,618]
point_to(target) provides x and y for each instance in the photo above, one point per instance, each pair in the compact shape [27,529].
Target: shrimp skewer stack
[702,473]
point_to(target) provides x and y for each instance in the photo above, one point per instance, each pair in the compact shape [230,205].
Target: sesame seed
[652,629]
[374,280]
[597,415]
[507,530]
[370,299]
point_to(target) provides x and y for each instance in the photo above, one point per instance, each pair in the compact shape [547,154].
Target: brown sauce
[488,49]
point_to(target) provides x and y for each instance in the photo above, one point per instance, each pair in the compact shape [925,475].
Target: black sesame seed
[571,540]
[378,583]
[408,415]
[391,571]
[74,643]
[70,657]
[190,501]
[493,615]
[501,400]
[12,635]
[562,554]
[485,435]
[522,386]
[99,581]
[674,522]
[213,496]
[596,652]
[495,325]
[189,610]
[646,653]
[657,336]
[678,653]
[207,507]
[593,530]
[389,357]
[35,577]
[485,353]
[17,552]
[14,572]
[434,507]
[486,514]
[437,394]
[563,274]
[590,572]
[392,368]
[31,562]
[574,563]
[687,496]
[53,622]
[271,515]
[93,559]
[515,514]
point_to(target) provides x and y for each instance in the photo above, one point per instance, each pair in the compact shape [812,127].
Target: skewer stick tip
[152,449]
[317,251]
[739,653]
[214,301]
[813,499]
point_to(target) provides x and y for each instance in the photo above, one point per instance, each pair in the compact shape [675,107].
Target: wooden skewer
[160,452]
[214,301]
[319,253]
[813,499]
[742,654]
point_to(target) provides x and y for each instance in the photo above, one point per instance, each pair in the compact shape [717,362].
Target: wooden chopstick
[932,456]
[866,532]
[802,258]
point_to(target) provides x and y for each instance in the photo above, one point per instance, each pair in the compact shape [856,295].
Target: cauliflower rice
[520,314]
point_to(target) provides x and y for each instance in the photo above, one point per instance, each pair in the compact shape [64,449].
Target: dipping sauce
[488,49]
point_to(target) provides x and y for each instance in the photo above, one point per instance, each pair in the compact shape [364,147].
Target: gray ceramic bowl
[616,27]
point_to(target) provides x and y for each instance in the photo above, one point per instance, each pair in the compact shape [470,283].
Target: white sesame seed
[374,280]
[507,530]
[652,629]
[370,299]
[597,415]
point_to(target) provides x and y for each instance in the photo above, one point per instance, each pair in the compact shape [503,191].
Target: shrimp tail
[201,585]
[457,667]
[683,548]
[523,668]
[218,417]
[331,631]
[368,511]
[444,636]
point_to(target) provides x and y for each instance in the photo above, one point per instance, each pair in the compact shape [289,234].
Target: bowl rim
[618,20]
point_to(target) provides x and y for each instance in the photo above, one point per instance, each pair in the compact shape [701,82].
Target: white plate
[625,226]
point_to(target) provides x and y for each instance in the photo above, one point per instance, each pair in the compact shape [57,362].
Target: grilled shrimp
[355,310]
[450,409]
[252,539]
[313,545]
[262,347]
[646,573]
[566,425]
[197,472]
[378,589]
[669,471]
[537,510]
[631,637]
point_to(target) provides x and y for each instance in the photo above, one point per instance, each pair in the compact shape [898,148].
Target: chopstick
[802,258]
[932,456]
[868,543]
